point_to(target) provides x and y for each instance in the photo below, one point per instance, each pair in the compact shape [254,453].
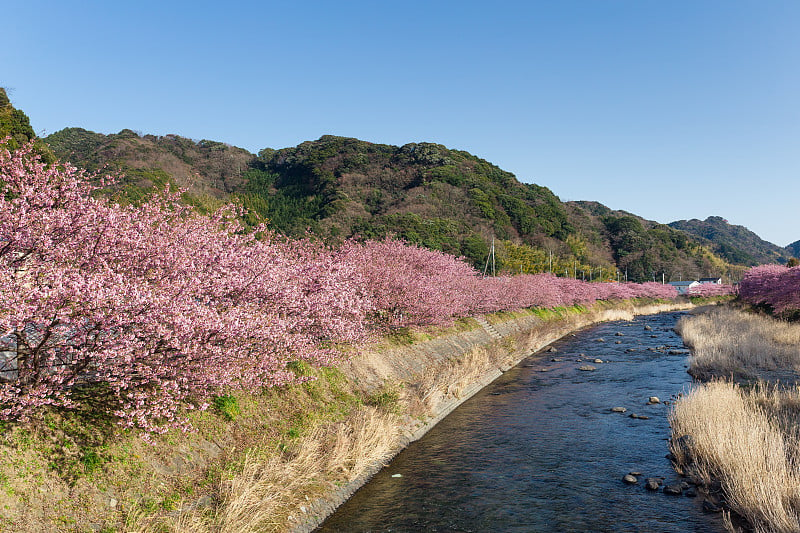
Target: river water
[540,450]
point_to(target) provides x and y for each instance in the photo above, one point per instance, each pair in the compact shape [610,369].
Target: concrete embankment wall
[437,375]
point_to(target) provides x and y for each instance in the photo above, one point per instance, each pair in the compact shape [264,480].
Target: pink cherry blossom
[165,307]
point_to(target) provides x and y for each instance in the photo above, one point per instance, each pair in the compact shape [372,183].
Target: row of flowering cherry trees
[776,286]
[162,307]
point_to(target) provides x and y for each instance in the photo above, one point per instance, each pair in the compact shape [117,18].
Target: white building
[716,281]
[683,286]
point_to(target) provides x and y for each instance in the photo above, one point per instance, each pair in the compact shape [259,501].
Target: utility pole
[551,260]
[488,258]
[493,271]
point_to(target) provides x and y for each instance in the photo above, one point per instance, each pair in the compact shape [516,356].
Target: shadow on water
[540,450]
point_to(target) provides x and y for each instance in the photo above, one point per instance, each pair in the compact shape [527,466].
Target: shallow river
[540,450]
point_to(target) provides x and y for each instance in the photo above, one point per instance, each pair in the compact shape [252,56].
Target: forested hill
[794,249]
[426,193]
[16,125]
[210,171]
[736,244]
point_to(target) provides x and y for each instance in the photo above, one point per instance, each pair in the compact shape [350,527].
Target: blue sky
[670,110]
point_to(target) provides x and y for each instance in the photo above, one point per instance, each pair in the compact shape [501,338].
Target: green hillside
[736,244]
[16,125]
[425,193]
[794,249]
[208,170]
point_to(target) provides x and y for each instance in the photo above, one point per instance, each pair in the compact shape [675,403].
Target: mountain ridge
[733,242]
[425,193]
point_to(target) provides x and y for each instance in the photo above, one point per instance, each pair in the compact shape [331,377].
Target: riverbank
[276,461]
[738,435]
[442,373]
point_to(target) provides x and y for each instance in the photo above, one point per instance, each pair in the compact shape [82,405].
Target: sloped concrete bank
[434,377]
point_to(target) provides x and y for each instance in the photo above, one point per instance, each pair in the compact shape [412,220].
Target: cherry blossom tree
[161,307]
[774,285]
[159,304]
[711,289]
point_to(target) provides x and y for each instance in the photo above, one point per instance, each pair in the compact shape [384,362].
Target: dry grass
[746,438]
[449,381]
[727,342]
[263,496]
[749,442]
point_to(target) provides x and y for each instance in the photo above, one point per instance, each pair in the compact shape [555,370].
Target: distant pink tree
[411,285]
[774,285]
[712,289]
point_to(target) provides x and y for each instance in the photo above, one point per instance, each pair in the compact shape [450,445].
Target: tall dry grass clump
[263,495]
[748,441]
[264,490]
[727,342]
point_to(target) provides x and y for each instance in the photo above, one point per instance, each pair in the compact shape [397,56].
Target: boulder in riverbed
[652,483]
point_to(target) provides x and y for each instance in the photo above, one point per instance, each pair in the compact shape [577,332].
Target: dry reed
[749,442]
[728,342]
[746,438]
[262,496]
[262,493]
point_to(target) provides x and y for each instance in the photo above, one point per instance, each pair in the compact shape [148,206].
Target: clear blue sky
[668,109]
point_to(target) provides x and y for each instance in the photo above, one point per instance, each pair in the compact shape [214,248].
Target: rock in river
[630,480]
[618,409]
[587,368]
[652,483]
